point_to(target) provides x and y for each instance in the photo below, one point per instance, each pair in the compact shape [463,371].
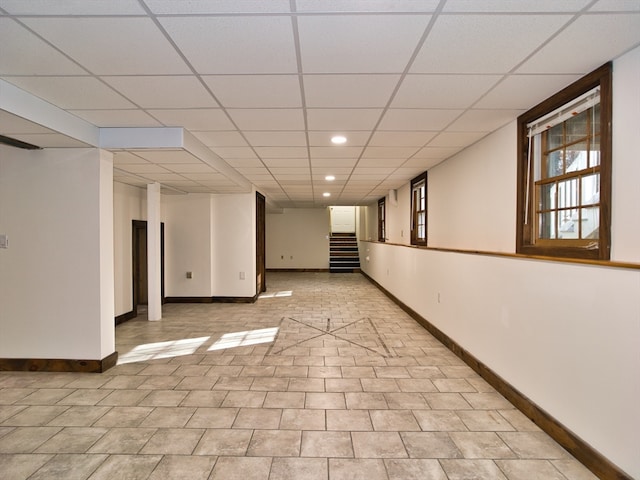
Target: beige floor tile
[439,421]
[123,441]
[270,384]
[209,417]
[183,467]
[168,417]
[258,418]
[163,398]
[124,398]
[357,469]
[414,469]
[394,420]
[430,445]
[533,445]
[72,440]
[413,401]
[325,401]
[447,401]
[35,415]
[378,445]
[58,467]
[325,372]
[481,445]
[379,385]
[367,401]
[244,399]
[343,385]
[131,467]
[326,444]
[299,469]
[275,443]
[26,439]
[124,417]
[84,396]
[173,441]
[484,421]
[488,401]
[529,470]
[573,470]
[203,398]
[20,466]
[467,469]
[300,419]
[224,442]
[241,468]
[284,400]
[349,420]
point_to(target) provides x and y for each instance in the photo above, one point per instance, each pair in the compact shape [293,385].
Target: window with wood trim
[564,172]
[419,210]
[382,219]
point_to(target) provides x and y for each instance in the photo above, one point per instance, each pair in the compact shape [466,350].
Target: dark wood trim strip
[125,317]
[297,269]
[581,261]
[211,299]
[581,450]
[58,364]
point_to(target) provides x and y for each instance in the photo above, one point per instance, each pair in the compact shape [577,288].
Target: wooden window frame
[415,183]
[526,235]
[382,219]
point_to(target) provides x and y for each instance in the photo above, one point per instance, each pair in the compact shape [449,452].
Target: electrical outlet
[189,274]
[241,275]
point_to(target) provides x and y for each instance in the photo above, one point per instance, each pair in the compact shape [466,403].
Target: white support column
[154,265]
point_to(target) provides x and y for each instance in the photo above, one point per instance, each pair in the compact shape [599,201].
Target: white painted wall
[188,245]
[565,335]
[56,278]
[301,233]
[128,204]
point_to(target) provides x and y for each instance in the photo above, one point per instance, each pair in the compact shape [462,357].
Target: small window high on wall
[419,210]
[564,172]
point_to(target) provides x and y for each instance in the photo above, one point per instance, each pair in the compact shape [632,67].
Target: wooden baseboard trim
[211,299]
[58,364]
[581,450]
[313,270]
[125,316]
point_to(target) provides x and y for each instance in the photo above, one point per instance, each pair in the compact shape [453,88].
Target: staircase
[343,253]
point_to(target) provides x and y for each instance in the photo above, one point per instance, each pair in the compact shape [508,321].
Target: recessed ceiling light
[338,140]
[326,194]
[329,178]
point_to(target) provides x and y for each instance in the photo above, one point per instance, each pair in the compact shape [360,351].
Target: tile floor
[323,378]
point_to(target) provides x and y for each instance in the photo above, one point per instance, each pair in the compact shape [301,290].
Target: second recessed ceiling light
[339,140]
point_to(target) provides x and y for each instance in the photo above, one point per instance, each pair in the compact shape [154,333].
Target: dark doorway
[139,256]
[261,283]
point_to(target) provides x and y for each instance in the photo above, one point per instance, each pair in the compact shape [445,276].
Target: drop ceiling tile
[268,119]
[206,177]
[281,152]
[353,43]
[168,156]
[456,139]
[623,32]
[163,177]
[332,162]
[234,152]
[194,119]
[276,139]
[250,91]
[198,7]
[72,92]
[379,172]
[245,162]
[524,91]
[431,153]
[42,59]
[124,158]
[143,168]
[400,139]
[442,91]
[335,152]
[417,119]
[349,90]
[381,162]
[244,44]
[322,170]
[511,6]
[286,162]
[509,38]
[163,91]
[342,119]
[117,118]
[389,152]
[221,139]
[616,5]
[253,171]
[106,46]
[368,178]
[323,139]
[184,168]
[396,6]
[288,171]
[484,120]
[72,7]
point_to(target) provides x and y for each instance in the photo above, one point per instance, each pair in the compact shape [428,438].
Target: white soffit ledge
[23,104]
[141,138]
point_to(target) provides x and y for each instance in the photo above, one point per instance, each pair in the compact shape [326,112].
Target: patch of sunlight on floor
[242,339]
[172,348]
[284,293]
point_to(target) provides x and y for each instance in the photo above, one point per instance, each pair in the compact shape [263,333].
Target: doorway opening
[139,256]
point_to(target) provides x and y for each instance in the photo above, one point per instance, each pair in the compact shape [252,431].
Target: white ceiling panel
[245,162]
[72,92]
[580,35]
[616,6]
[509,38]
[349,90]
[514,6]
[381,162]
[335,152]
[377,171]
[184,168]
[206,177]
[325,6]
[219,6]
[72,7]
[163,91]
[221,139]
[268,118]
[400,139]
[164,177]
[274,139]
[194,119]
[484,120]
[234,152]
[255,91]
[353,44]
[34,57]
[456,139]
[243,44]
[442,91]
[342,119]
[429,153]
[524,91]
[253,170]
[143,168]
[417,119]
[323,139]
[286,162]
[124,158]
[117,118]
[281,152]
[332,162]
[108,44]
[339,172]
[167,156]
[389,152]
